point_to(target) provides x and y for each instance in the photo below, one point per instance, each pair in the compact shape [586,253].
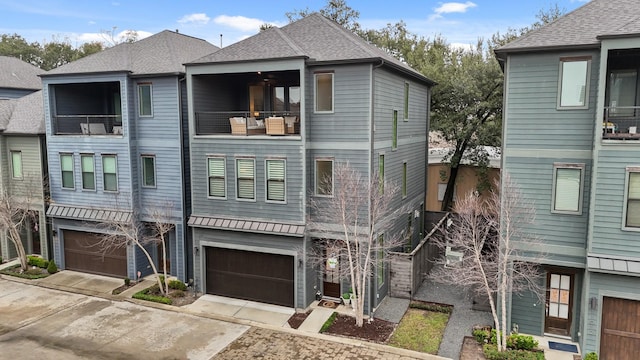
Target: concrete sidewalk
[242,309]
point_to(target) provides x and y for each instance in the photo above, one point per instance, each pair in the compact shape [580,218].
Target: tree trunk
[447,201]
[14,236]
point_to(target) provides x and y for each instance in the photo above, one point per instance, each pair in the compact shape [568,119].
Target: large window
[217,177]
[88,172]
[394,130]
[276,189]
[148,171]
[16,164]
[66,169]
[632,210]
[110,173]
[406,102]
[567,189]
[324,92]
[622,92]
[574,83]
[145,100]
[246,188]
[324,177]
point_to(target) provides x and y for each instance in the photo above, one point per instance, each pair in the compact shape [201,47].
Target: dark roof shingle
[24,115]
[17,74]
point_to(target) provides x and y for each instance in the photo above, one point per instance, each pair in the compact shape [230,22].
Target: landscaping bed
[177,296]
[38,268]
[297,319]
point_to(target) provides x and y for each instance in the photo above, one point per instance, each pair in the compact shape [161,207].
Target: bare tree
[119,231]
[350,224]
[111,38]
[497,256]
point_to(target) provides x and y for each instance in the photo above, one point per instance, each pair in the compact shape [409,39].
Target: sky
[460,22]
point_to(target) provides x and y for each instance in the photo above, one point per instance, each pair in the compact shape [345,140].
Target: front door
[559,303]
[331,275]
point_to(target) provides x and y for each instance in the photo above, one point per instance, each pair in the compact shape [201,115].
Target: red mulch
[378,331]
[297,319]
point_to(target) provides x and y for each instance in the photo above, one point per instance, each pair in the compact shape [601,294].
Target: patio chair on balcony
[293,126]
[246,126]
[93,129]
[275,125]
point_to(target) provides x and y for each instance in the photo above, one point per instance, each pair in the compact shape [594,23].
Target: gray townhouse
[269,117]
[23,162]
[572,143]
[116,128]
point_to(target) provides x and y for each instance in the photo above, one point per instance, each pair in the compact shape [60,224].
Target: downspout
[372,130]
[186,192]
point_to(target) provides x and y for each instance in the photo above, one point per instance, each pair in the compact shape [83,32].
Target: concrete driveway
[49,324]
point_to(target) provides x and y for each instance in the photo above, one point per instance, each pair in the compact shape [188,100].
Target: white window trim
[224,164]
[587,84]
[266,181]
[140,85]
[628,170]
[315,93]
[155,172]
[94,173]
[315,177]
[116,173]
[73,171]
[557,166]
[21,177]
[238,198]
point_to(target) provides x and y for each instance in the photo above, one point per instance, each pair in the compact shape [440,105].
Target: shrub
[161,277]
[481,335]
[491,353]
[441,308]
[1,261]
[127,281]
[33,272]
[29,274]
[591,356]
[51,267]
[521,342]
[327,324]
[145,295]
[37,261]
[177,294]
[177,285]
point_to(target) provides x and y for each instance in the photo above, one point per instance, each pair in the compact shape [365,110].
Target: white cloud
[239,22]
[199,18]
[462,46]
[454,7]
[104,38]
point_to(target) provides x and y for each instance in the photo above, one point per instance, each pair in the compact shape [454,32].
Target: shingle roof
[24,115]
[313,37]
[162,53]
[583,26]
[17,74]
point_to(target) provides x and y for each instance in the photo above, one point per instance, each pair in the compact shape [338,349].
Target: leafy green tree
[57,53]
[336,10]
[15,45]
[89,48]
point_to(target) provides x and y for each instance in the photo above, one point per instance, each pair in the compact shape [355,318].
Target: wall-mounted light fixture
[196,250]
[593,303]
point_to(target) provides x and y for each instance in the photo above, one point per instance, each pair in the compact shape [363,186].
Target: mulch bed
[378,331]
[297,319]
[471,350]
[122,288]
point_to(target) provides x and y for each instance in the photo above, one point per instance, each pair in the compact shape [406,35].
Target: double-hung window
[66,170]
[404,179]
[110,173]
[567,188]
[406,101]
[216,167]
[573,88]
[632,208]
[394,130]
[148,171]
[246,185]
[381,173]
[276,174]
[324,177]
[324,92]
[16,164]
[88,172]
[145,100]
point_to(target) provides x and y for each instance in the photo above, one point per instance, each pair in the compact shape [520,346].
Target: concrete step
[315,320]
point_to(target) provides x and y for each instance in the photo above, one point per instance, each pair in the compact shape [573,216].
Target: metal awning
[88,214]
[210,222]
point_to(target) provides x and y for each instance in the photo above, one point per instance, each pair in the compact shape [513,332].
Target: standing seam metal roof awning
[209,222]
[88,214]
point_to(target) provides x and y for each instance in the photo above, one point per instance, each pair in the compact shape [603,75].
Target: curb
[159,306]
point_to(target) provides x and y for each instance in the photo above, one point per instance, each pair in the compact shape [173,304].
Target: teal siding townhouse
[572,143]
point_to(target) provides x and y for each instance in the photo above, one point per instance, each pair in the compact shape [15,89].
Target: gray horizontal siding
[31,183]
[531,115]
[528,312]
[165,123]
[260,209]
[534,177]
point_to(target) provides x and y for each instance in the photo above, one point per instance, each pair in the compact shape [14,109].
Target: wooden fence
[408,269]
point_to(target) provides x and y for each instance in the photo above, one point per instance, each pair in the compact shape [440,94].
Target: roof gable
[162,53]
[24,115]
[17,74]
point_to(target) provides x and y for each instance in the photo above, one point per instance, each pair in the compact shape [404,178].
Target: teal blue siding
[528,313]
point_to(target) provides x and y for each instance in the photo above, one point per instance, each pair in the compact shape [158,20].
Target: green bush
[37,261]
[127,281]
[51,267]
[177,293]
[33,274]
[177,285]
[491,353]
[145,295]
[441,308]
[521,342]
[591,356]
[161,277]
[327,324]
[1,260]
[481,335]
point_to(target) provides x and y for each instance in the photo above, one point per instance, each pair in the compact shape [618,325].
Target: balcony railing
[621,123]
[87,125]
[245,123]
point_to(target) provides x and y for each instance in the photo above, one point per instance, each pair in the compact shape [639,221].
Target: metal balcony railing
[87,125]
[621,123]
[246,123]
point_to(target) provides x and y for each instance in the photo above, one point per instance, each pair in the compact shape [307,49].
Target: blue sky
[460,22]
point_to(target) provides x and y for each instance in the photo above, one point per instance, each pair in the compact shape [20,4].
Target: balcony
[90,125]
[245,123]
[621,123]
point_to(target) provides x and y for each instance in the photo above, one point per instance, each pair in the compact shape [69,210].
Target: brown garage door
[620,336]
[82,254]
[250,275]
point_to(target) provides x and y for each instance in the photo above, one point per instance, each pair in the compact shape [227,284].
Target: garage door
[82,254]
[620,336]
[250,275]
